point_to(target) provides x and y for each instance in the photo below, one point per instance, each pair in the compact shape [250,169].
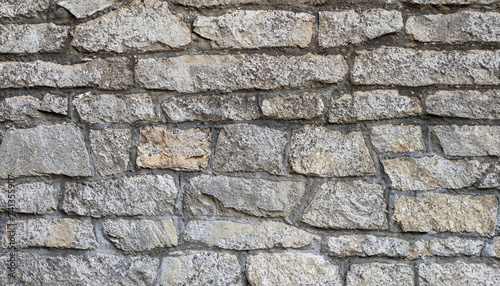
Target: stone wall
[250,142]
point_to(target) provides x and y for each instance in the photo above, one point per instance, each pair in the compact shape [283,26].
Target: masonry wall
[249,142]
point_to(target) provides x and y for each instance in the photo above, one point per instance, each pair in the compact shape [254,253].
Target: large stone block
[468,140]
[465,103]
[34,38]
[458,273]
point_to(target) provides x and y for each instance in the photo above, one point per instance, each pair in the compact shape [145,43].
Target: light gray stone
[269,269]
[465,103]
[25,8]
[468,140]
[53,233]
[306,105]
[224,3]
[386,274]
[110,150]
[210,108]
[30,198]
[492,178]
[144,26]
[327,153]
[367,245]
[54,104]
[372,105]
[410,67]
[223,195]
[140,235]
[32,38]
[348,205]
[458,273]
[247,29]
[239,72]
[251,148]
[455,246]
[442,212]
[247,236]
[494,248]
[81,9]
[452,2]
[396,138]
[27,107]
[200,268]
[43,150]
[351,27]
[433,172]
[149,195]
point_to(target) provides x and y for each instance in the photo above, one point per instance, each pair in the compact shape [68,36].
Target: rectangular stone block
[396,138]
[27,107]
[458,273]
[397,274]
[24,8]
[30,198]
[34,38]
[467,140]
[465,103]
[110,150]
[307,105]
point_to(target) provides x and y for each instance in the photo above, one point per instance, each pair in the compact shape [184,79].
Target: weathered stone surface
[465,103]
[454,246]
[492,178]
[217,3]
[27,107]
[327,153]
[458,273]
[410,67]
[53,233]
[93,269]
[372,105]
[210,108]
[239,72]
[464,26]
[144,25]
[468,140]
[306,105]
[442,212]
[452,2]
[30,198]
[42,150]
[246,236]
[111,73]
[103,108]
[434,172]
[251,148]
[141,235]
[200,269]
[398,274]
[82,9]
[268,269]
[25,8]
[54,104]
[223,195]
[494,248]
[149,195]
[246,29]
[164,147]
[396,138]
[348,205]
[351,27]
[110,150]
[367,245]
[32,38]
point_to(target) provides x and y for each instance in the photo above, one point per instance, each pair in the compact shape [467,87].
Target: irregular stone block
[458,273]
[398,274]
[328,153]
[465,103]
[494,248]
[442,212]
[218,3]
[251,148]
[451,2]
[33,38]
[396,138]
[27,107]
[454,246]
[163,147]
[54,104]
[30,198]
[367,245]
[306,105]
[110,150]
[468,140]
[247,236]
[239,72]
[82,9]
[25,8]
[492,178]
[348,205]
[148,195]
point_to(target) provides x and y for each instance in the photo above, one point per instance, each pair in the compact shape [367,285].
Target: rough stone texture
[434,172]
[396,138]
[442,212]
[150,195]
[454,246]
[164,147]
[348,205]
[27,107]
[397,274]
[468,140]
[327,153]
[245,29]
[464,26]
[251,148]
[43,150]
[110,150]
[223,3]
[465,103]
[144,25]
[458,273]
[33,38]
[53,233]
[54,104]
[223,195]
[410,67]
[494,248]
[81,9]
[492,178]
[30,198]
[247,236]
[210,108]
[238,72]
[351,27]
[111,73]
[372,105]
[269,269]
[93,269]
[25,8]
[102,108]
[140,235]
[200,269]
[367,245]
[452,2]
[306,105]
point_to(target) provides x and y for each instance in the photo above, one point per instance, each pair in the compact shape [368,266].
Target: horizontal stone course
[472,104]
[35,38]
[29,198]
[25,8]
[458,273]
